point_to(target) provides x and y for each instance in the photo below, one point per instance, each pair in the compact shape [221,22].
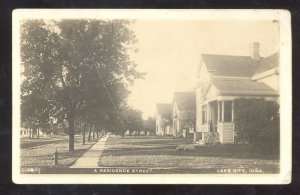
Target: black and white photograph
[152,96]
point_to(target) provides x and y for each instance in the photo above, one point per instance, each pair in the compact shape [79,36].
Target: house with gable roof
[223,78]
[163,119]
[184,106]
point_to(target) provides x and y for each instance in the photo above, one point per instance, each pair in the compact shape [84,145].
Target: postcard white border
[284,18]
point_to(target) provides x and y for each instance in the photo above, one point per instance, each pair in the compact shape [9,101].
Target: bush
[186,147]
[211,139]
[257,122]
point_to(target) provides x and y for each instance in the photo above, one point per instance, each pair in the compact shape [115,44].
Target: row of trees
[77,72]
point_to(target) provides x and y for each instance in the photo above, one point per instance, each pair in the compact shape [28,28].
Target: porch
[218,116]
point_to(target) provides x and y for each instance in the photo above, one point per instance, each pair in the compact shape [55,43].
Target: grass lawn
[39,152]
[159,152]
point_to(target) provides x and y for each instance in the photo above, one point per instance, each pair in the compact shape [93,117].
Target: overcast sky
[169,52]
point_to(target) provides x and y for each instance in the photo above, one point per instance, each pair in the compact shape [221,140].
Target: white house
[184,106]
[30,133]
[25,132]
[164,119]
[223,78]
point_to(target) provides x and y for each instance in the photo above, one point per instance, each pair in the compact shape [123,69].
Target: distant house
[25,132]
[30,133]
[223,78]
[164,119]
[184,106]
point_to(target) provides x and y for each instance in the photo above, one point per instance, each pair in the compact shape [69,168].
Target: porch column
[207,113]
[218,110]
[232,111]
[222,111]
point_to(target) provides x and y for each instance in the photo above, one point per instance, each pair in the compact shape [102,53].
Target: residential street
[195,94]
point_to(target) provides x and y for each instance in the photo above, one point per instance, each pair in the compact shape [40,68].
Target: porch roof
[243,87]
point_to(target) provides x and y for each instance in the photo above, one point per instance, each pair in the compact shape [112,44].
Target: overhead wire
[102,80]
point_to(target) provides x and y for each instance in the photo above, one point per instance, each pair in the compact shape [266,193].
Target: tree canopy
[149,124]
[75,69]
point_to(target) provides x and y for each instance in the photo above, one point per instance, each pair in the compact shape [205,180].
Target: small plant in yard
[211,139]
[186,147]
[200,142]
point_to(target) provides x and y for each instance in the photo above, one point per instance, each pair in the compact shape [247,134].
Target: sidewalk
[91,157]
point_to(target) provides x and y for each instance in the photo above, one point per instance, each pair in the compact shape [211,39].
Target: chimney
[255,52]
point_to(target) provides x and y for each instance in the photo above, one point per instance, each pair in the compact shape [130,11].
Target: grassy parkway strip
[39,152]
[149,154]
[160,153]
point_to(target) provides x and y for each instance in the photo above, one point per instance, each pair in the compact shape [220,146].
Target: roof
[164,109]
[185,100]
[239,66]
[268,63]
[243,86]
[226,65]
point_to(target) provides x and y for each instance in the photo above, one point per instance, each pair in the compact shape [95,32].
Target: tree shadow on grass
[33,145]
[68,154]
[225,151]
[144,142]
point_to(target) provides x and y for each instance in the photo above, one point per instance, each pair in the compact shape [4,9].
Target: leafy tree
[257,121]
[35,98]
[77,66]
[149,124]
[131,120]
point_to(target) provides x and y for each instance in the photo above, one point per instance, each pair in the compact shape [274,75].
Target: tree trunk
[90,131]
[97,133]
[33,134]
[83,135]
[71,120]
[93,133]
[38,133]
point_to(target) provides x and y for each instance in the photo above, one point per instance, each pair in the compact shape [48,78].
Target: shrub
[257,122]
[211,139]
[200,142]
[186,147]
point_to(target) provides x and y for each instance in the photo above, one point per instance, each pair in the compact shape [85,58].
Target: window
[227,111]
[204,115]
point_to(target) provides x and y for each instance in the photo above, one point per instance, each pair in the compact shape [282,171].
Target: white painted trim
[218,102]
[268,98]
[208,113]
[221,98]
[222,118]
[223,95]
[232,111]
[265,74]
[210,100]
[259,93]
[229,77]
